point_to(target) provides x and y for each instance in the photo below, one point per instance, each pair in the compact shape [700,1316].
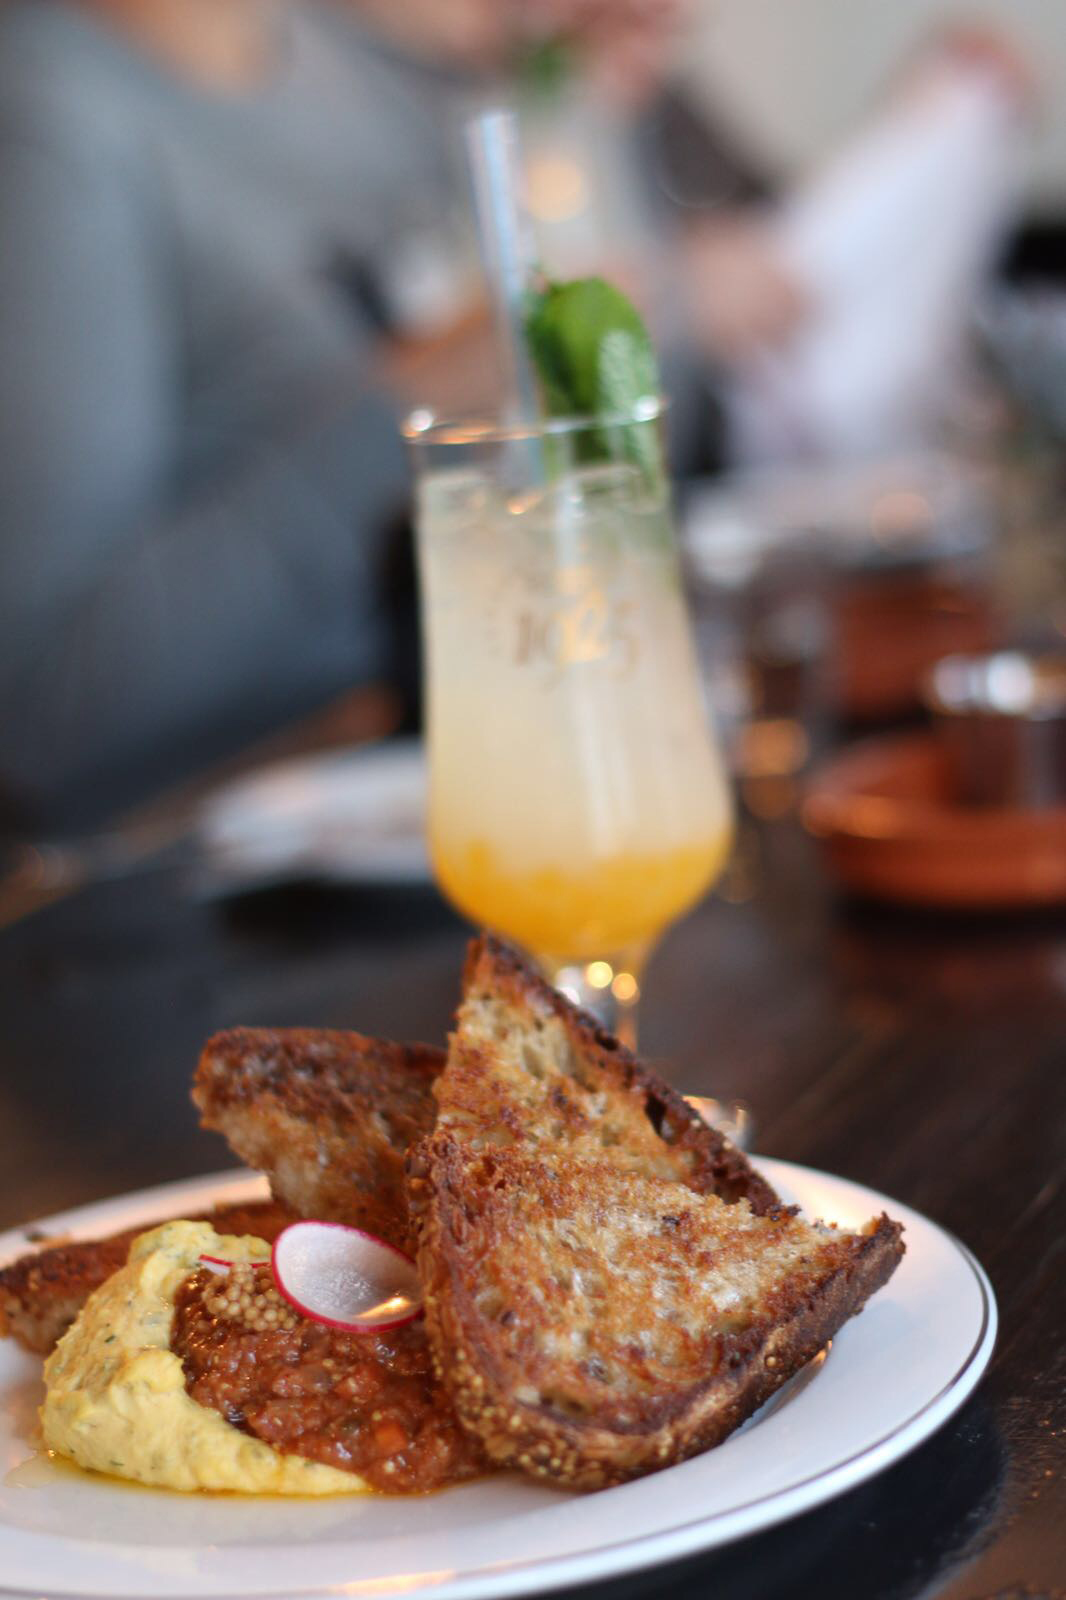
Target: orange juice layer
[577,915]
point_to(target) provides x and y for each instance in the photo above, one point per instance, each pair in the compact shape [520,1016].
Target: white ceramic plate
[350,816]
[892,1376]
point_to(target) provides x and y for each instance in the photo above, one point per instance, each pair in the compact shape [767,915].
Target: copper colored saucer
[889,828]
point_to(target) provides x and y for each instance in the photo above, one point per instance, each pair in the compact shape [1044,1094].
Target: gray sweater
[194,475]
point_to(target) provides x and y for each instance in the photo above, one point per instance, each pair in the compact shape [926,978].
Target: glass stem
[608,987]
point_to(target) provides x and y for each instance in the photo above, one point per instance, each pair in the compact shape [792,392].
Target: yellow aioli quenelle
[116,1400]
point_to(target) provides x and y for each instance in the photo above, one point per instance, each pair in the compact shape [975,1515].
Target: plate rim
[544,1575]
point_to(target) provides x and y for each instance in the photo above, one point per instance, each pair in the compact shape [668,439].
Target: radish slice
[344,1277]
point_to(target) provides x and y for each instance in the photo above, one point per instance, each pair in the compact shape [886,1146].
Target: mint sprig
[593,357]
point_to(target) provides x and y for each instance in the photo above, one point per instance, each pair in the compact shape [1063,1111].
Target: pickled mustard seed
[245,1296]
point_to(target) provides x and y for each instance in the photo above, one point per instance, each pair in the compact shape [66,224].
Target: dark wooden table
[923,1056]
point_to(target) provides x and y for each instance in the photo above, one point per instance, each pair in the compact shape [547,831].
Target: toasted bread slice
[592,1324]
[328,1117]
[42,1292]
[527,1067]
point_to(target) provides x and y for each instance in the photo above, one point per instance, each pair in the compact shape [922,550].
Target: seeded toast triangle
[592,1324]
[327,1115]
[526,1067]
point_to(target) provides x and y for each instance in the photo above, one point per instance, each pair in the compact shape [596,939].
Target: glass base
[731,1118]
[609,989]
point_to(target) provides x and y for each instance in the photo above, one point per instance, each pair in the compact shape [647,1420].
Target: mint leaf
[593,357]
[567,326]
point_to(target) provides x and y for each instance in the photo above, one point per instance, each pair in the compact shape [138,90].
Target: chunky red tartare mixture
[366,1403]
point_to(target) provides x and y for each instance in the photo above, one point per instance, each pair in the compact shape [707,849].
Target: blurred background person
[892,241]
[193,467]
[198,448]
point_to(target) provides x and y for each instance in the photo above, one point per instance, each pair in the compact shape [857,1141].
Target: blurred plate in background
[347,817]
[871,514]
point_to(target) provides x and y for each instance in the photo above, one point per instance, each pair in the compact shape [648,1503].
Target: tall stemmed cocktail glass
[577,802]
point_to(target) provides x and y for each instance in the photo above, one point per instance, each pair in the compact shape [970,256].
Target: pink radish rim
[334,1322]
[216,1261]
[222,1261]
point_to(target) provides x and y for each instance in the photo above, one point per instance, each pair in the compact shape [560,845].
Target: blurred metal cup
[1003,722]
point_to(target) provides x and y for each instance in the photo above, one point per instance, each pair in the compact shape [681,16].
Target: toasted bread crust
[495,1329]
[602,1099]
[42,1292]
[327,1115]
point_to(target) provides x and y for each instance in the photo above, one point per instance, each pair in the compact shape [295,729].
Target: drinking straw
[507,247]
